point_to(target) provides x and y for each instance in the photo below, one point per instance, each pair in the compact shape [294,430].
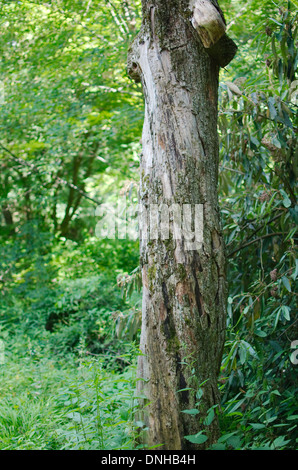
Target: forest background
[70,300]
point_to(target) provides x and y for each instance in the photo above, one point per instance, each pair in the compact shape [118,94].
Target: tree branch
[35,170]
[267,235]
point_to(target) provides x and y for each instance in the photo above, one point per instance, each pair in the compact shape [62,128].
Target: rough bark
[184,290]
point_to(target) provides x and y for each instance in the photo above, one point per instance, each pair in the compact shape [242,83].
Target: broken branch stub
[209,22]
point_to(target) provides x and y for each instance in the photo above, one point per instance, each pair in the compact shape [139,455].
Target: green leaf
[190,412]
[234,442]
[236,406]
[286,312]
[286,283]
[271,106]
[234,88]
[242,353]
[277,318]
[257,426]
[197,438]
[279,442]
[286,201]
[225,437]
[218,447]
[276,392]
[275,21]
[260,333]
[270,420]
[293,418]
[75,416]
[276,142]
[249,348]
[287,120]
[209,418]
[254,141]
[294,213]
[294,275]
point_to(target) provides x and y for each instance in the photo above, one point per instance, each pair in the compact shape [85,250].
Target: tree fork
[184,290]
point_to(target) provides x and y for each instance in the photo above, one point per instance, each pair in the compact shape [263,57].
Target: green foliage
[100,407]
[69,135]
[70,130]
[258,191]
[69,295]
[70,109]
[64,403]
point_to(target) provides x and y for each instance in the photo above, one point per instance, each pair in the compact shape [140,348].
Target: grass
[64,403]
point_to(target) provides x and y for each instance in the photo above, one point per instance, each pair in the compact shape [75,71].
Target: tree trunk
[184,284]
[8,217]
[71,195]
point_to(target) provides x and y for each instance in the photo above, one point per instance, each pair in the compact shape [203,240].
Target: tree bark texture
[184,290]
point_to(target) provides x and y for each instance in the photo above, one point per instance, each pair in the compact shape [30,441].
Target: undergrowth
[49,403]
